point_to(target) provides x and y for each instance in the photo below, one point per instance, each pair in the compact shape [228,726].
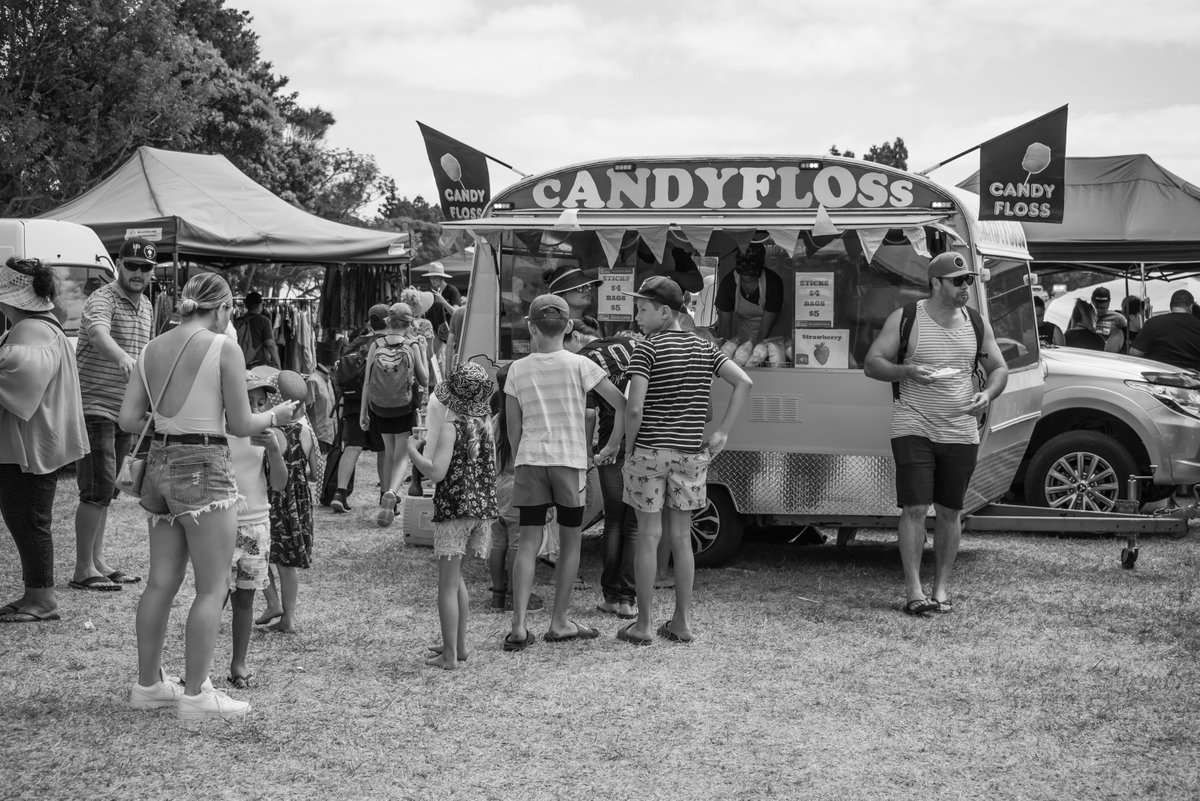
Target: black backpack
[909,316]
[352,366]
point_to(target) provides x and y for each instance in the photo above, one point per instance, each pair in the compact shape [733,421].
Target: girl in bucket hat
[464,501]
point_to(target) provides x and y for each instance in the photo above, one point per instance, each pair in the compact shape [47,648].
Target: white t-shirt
[552,389]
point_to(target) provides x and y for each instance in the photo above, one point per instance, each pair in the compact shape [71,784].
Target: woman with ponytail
[192,379]
[41,427]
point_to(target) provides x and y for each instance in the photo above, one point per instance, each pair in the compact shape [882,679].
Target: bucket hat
[467,390]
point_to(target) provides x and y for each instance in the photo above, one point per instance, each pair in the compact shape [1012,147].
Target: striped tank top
[937,411]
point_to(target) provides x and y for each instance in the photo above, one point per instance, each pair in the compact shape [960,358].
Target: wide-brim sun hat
[467,390]
[574,278]
[16,290]
[435,270]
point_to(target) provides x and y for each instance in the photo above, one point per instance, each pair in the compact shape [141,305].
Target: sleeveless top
[203,412]
[469,487]
[937,411]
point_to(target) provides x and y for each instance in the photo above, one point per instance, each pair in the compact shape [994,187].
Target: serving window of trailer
[834,302]
[1010,311]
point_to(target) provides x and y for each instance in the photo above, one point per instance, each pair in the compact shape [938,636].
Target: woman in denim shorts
[189,490]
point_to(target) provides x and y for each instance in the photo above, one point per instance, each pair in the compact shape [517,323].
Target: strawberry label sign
[828,347]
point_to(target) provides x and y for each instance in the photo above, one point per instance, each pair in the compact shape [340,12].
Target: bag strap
[142,371]
[907,317]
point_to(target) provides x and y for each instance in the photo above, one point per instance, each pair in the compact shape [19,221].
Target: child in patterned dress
[291,520]
[464,500]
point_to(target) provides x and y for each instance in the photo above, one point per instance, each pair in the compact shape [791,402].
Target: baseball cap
[549,307]
[258,380]
[253,298]
[136,249]
[379,311]
[1101,293]
[948,265]
[662,289]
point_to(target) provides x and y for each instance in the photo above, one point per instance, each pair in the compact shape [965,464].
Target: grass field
[1059,675]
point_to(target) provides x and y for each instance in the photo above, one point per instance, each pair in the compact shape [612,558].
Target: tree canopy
[893,154]
[84,83]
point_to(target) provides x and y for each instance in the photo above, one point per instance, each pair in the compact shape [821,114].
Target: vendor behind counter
[749,299]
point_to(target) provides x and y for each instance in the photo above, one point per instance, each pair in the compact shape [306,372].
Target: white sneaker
[387,509]
[210,704]
[164,693]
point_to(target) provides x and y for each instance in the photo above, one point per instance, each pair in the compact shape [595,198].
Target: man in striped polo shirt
[935,419]
[113,330]
[666,454]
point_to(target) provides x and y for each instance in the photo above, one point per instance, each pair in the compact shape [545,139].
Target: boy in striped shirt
[667,456]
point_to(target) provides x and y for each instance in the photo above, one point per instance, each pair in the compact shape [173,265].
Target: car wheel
[716,529]
[1079,470]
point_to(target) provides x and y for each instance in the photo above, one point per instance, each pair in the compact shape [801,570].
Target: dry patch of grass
[1059,676]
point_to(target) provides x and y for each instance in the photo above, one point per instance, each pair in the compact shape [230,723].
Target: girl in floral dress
[464,501]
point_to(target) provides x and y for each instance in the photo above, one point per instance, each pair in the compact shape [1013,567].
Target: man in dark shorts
[935,419]
[354,439]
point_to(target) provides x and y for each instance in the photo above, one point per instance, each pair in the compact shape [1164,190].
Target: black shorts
[394,425]
[932,472]
[354,437]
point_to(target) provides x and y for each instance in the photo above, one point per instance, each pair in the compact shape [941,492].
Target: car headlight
[1184,401]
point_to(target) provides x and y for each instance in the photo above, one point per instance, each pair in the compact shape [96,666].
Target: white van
[848,241]
[74,251]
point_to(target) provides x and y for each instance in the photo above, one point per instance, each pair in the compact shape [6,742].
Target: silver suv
[1107,416]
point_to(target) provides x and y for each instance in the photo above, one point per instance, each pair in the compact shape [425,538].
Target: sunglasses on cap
[959,280]
[142,266]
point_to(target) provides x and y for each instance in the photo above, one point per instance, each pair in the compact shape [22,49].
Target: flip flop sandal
[665,632]
[95,584]
[513,645]
[624,636]
[581,632]
[121,577]
[943,607]
[917,607]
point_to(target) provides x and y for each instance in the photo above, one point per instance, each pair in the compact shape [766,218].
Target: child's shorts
[452,537]
[535,485]
[250,552]
[657,477]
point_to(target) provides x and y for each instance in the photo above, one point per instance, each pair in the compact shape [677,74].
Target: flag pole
[502,164]
[928,170]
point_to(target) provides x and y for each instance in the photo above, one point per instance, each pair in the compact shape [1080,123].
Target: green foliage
[418,217]
[893,154]
[84,83]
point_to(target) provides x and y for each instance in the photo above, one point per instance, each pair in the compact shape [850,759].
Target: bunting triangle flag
[532,240]
[610,240]
[655,238]
[823,224]
[871,239]
[785,238]
[916,237]
[698,236]
[740,238]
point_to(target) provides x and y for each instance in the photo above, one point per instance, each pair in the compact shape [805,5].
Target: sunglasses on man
[959,280]
[138,266]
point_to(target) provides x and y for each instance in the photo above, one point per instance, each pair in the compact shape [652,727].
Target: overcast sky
[542,85]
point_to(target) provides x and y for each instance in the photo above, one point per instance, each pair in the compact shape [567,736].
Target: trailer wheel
[716,529]
[1079,470]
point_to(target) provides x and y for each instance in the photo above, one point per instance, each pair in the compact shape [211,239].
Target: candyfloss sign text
[722,187]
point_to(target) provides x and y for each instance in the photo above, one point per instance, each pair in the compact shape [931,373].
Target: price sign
[814,300]
[612,303]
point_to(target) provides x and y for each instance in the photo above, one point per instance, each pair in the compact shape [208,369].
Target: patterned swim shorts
[655,477]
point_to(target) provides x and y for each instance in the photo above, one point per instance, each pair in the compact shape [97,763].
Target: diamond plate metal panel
[774,482]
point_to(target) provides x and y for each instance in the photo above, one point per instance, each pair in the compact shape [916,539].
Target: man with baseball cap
[936,416]
[1109,324]
[113,330]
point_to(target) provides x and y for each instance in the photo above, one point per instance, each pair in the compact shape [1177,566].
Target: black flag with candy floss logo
[1022,172]
[461,174]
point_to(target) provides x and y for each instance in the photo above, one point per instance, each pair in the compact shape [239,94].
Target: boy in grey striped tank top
[935,419]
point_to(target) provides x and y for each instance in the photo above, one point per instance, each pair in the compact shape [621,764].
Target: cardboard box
[418,521]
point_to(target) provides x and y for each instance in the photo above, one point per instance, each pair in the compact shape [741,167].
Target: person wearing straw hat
[575,287]
[41,428]
[446,300]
